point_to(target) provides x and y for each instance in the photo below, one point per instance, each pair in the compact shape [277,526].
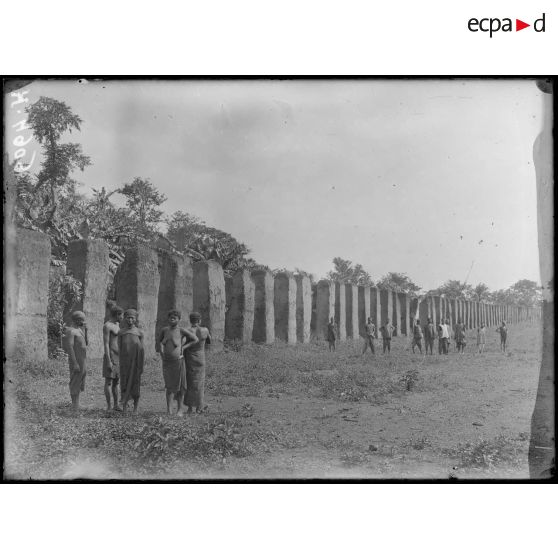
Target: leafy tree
[143,200]
[193,236]
[399,282]
[48,201]
[345,271]
[525,292]
[481,292]
[502,296]
[453,289]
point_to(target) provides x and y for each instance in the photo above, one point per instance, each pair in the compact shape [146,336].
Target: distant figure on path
[331,334]
[443,337]
[503,331]
[387,332]
[429,336]
[481,338]
[173,340]
[132,357]
[459,336]
[417,337]
[110,356]
[370,333]
[195,365]
[75,344]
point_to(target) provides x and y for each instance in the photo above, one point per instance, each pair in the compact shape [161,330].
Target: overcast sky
[422,177]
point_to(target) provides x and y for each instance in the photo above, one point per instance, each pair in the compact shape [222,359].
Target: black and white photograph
[278,279]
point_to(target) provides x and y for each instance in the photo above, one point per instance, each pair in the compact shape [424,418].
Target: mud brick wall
[239,317]
[209,298]
[176,289]
[264,315]
[341,310]
[137,286]
[88,262]
[303,308]
[325,307]
[26,334]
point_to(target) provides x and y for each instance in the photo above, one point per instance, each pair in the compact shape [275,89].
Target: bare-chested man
[110,357]
[173,340]
[75,344]
[370,334]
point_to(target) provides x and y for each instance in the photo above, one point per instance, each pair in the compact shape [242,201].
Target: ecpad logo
[493,25]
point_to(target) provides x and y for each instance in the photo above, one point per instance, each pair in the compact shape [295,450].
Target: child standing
[460,336]
[417,337]
[387,332]
[172,341]
[75,344]
[503,331]
[481,338]
[429,335]
[132,356]
[370,333]
[331,335]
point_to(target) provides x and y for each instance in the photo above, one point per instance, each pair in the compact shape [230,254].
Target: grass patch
[486,454]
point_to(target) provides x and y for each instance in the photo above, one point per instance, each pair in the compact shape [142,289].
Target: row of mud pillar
[249,306]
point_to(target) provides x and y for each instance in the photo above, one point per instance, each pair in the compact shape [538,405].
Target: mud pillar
[27,296]
[396,313]
[405,306]
[209,298]
[88,262]
[386,298]
[351,307]
[414,312]
[340,310]
[303,308]
[423,311]
[542,449]
[375,308]
[239,317]
[264,314]
[325,307]
[137,286]
[437,305]
[363,309]
[454,311]
[284,305]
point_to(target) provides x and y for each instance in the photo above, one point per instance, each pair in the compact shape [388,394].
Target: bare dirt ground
[290,412]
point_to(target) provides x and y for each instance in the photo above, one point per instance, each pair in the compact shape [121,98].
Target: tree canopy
[399,282]
[346,271]
[191,235]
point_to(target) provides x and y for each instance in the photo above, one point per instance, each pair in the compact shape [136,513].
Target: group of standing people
[443,334]
[429,334]
[182,352]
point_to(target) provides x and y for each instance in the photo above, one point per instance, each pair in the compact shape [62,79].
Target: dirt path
[465,399]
